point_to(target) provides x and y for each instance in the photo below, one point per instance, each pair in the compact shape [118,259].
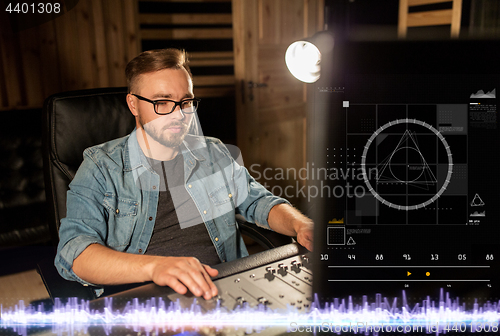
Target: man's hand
[101,265]
[183,273]
[287,220]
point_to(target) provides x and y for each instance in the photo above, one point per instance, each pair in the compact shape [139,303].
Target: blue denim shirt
[113,199]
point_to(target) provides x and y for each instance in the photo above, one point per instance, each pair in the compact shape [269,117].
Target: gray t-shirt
[170,238]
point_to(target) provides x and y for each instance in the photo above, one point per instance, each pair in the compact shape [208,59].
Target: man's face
[174,84]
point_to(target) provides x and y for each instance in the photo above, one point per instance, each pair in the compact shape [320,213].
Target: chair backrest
[77,120]
[74,121]
[429,18]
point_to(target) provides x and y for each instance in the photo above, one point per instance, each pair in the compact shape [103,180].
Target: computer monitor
[404,164]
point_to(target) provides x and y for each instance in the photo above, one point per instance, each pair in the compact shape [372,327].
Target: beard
[159,132]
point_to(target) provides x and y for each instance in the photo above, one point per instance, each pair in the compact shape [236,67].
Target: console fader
[276,285]
[277,278]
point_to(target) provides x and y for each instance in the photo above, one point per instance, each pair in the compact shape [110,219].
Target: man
[135,202]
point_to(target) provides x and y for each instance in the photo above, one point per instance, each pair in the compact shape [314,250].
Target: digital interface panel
[409,181]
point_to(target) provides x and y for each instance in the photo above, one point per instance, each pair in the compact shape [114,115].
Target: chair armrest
[57,286]
[266,238]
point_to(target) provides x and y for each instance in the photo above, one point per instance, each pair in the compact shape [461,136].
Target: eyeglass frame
[176,103]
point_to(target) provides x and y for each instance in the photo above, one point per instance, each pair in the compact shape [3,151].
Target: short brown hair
[155,60]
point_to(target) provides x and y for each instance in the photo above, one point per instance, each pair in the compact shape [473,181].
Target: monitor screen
[404,162]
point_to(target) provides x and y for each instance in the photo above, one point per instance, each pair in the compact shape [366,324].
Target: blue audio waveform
[339,316]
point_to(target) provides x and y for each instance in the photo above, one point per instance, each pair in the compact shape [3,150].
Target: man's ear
[131,102]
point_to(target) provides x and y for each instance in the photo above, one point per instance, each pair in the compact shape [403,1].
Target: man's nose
[178,114]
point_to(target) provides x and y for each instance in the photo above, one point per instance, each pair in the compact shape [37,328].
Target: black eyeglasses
[167,106]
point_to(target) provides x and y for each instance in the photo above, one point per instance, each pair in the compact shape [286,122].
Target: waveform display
[156,316]
[478,214]
[481,94]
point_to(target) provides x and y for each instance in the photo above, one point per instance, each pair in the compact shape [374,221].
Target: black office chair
[74,121]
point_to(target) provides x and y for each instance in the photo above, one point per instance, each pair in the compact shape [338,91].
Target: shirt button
[117,211]
[205,212]
[150,218]
[230,195]
[189,186]
[154,187]
[216,238]
[140,250]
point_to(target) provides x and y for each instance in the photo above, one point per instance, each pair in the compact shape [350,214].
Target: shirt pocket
[122,218]
[220,195]
[222,206]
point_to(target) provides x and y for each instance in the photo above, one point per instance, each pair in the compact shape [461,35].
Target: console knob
[240,302]
[306,262]
[218,299]
[263,300]
[283,270]
[270,273]
[295,266]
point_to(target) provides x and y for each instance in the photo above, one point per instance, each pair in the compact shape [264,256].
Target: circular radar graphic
[406,164]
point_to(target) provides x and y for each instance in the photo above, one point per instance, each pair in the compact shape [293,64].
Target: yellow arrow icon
[408,273]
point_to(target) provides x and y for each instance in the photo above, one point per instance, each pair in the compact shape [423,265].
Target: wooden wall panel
[68,49]
[114,41]
[292,20]
[86,42]
[131,22]
[314,15]
[12,67]
[278,138]
[428,16]
[271,116]
[189,19]
[87,47]
[203,34]
[269,25]
[50,71]
[30,58]
[101,56]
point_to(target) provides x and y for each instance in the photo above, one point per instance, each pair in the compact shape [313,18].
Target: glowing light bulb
[303,60]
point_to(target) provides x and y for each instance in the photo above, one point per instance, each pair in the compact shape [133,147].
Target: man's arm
[287,220]
[82,256]
[102,265]
[258,205]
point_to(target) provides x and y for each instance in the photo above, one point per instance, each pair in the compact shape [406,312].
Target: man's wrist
[286,219]
[148,266]
[298,222]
